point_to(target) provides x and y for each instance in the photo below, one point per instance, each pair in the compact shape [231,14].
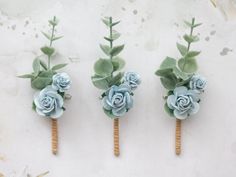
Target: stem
[54,137]
[116,138]
[111,41]
[50,44]
[189,43]
[178,137]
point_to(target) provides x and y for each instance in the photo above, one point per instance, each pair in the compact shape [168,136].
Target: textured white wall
[150,30]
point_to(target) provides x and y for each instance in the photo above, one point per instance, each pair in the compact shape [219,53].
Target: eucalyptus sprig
[175,72]
[42,72]
[105,68]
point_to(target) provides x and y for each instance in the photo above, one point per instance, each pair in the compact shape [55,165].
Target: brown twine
[178,137]
[116,138]
[54,137]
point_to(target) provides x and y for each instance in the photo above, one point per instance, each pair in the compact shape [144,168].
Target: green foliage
[174,72]
[36,66]
[100,82]
[109,113]
[104,68]
[106,49]
[188,65]
[116,50]
[118,63]
[169,81]
[48,50]
[182,49]
[59,66]
[168,110]
[168,63]
[42,72]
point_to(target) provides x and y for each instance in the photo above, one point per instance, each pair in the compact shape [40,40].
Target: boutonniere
[117,97]
[184,86]
[51,85]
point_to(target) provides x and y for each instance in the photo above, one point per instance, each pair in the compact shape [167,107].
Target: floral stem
[54,137]
[178,137]
[116,137]
[189,43]
[50,43]
[111,41]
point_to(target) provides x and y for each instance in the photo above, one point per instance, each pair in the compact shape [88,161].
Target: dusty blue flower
[118,100]
[49,103]
[197,82]
[61,82]
[183,102]
[132,79]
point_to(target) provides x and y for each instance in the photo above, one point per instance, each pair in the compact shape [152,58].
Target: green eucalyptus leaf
[31,76]
[190,38]
[168,110]
[180,74]
[56,38]
[109,113]
[106,21]
[115,23]
[47,50]
[192,54]
[59,66]
[115,35]
[47,73]
[183,82]
[116,80]
[106,49]
[46,35]
[103,67]
[196,25]
[116,50]
[118,63]
[164,72]
[100,82]
[169,82]
[188,65]
[182,49]
[168,63]
[108,39]
[40,82]
[192,26]
[43,64]
[36,66]
[54,21]
[188,24]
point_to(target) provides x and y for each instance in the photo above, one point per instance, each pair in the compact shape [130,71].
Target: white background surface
[150,30]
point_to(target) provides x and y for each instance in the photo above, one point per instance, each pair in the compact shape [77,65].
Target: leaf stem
[111,42]
[50,43]
[189,43]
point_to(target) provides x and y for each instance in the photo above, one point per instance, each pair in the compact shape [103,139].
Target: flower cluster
[118,99]
[118,87]
[179,77]
[49,101]
[184,101]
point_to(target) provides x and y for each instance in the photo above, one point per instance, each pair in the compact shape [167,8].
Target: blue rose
[197,82]
[118,100]
[49,103]
[183,102]
[61,82]
[132,79]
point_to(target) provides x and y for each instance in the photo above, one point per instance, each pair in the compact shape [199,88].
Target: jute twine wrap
[116,138]
[178,137]
[54,137]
